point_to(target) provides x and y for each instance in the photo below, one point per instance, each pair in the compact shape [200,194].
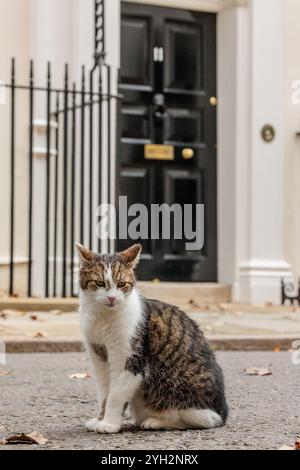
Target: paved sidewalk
[228,326]
[39,395]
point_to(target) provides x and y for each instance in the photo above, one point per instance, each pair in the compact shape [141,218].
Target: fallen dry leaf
[204,307]
[236,313]
[40,334]
[3,315]
[222,307]
[56,312]
[34,317]
[14,295]
[79,375]
[4,373]
[277,349]
[12,313]
[32,438]
[261,371]
[193,304]
[297,444]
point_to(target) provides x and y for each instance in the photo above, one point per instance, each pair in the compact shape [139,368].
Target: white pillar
[233,133]
[262,263]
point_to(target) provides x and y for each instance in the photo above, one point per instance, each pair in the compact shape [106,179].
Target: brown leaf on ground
[12,313]
[34,317]
[3,315]
[4,373]
[222,307]
[79,375]
[297,444]
[40,334]
[56,312]
[261,371]
[236,313]
[193,303]
[32,438]
[277,349]
[205,307]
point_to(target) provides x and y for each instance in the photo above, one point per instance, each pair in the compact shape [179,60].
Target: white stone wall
[14,41]
[292,142]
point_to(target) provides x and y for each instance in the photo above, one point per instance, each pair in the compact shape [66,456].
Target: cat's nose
[111,300]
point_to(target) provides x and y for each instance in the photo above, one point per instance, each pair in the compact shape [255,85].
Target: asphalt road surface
[38,395]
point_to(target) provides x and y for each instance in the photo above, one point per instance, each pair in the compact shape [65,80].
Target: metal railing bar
[108,71]
[100,149]
[82,155]
[40,88]
[91,161]
[65,184]
[94,102]
[73,195]
[56,198]
[30,180]
[12,182]
[48,176]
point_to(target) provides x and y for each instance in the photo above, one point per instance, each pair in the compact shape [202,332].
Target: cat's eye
[100,283]
[121,284]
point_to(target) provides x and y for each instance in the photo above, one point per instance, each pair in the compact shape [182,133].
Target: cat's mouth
[110,305]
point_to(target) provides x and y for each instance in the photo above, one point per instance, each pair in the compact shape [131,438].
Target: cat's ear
[131,256]
[84,253]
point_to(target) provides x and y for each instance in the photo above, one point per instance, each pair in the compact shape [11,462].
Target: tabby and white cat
[144,352]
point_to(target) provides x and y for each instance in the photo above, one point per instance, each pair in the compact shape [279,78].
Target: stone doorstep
[218,343]
[178,293]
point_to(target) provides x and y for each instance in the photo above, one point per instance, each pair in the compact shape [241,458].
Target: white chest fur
[112,329]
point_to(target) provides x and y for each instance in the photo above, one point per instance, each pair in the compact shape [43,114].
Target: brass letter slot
[159,152]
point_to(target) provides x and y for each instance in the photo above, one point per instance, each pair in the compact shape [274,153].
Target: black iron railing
[77,130]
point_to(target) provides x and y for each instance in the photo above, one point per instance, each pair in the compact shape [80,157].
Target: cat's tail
[206,418]
[190,418]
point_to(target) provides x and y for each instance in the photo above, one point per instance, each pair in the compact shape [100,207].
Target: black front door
[168,83]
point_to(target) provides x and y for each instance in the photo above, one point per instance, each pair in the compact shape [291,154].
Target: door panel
[136,50]
[184,127]
[167,77]
[184,186]
[183,61]
[137,184]
[135,123]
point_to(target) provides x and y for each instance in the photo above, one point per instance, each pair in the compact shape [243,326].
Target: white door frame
[250,171]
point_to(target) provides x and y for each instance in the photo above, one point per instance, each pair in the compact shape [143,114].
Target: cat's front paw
[104,427]
[153,423]
[91,424]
